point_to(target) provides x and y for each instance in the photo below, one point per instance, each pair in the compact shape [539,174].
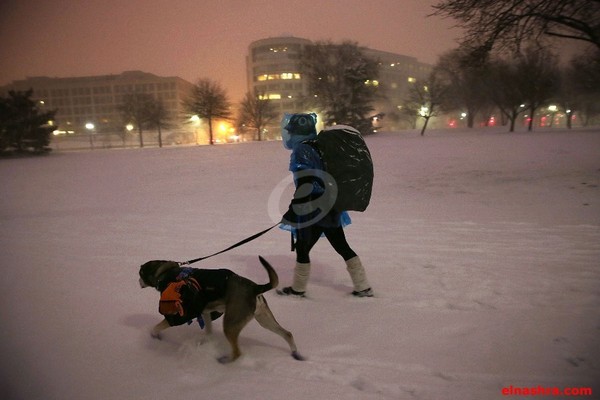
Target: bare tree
[465,77]
[209,101]
[425,99]
[508,23]
[158,116]
[569,97]
[134,110]
[523,84]
[256,112]
[503,88]
[539,74]
[581,86]
[342,81]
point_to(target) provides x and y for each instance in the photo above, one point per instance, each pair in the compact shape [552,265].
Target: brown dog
[215,292]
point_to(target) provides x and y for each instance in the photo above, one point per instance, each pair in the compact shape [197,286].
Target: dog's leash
[241,242]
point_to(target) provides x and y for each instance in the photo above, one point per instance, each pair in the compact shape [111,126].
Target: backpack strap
[314,143]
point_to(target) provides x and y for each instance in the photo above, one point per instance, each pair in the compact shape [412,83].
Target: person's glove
[290,217]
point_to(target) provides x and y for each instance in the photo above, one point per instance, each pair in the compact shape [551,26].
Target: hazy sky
[199,38]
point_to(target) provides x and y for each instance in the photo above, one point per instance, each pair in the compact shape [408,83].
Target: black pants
[307,237]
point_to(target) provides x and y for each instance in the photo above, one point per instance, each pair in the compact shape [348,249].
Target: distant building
[397,73]
[273,71]
[95,99]
[273,68]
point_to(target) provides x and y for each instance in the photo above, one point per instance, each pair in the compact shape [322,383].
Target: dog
[216,292]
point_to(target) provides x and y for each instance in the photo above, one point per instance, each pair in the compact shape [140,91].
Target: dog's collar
[163,281]
[185,273]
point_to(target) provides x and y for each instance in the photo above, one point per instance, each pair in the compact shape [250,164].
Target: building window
[283,75]
[271,96]
[290,75]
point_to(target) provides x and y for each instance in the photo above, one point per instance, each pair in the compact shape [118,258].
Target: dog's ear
[151,271]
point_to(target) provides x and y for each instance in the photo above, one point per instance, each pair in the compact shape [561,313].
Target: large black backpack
[347,159]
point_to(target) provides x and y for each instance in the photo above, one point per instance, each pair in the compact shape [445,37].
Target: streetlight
[90,127]
[553,109]
[196,122]
[128,128]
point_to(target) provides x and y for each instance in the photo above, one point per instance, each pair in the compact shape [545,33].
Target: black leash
[248,239]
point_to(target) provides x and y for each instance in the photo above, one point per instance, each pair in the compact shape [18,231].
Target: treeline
[511,85]
[504,61]
[503,66]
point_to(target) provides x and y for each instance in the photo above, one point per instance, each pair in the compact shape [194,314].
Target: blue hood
[296,128]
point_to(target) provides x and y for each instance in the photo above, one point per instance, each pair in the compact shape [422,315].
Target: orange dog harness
[171,302]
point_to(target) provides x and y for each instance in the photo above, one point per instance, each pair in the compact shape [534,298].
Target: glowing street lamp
[553,109]
[196,123]
[90,127]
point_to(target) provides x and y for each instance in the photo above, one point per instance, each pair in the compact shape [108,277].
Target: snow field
[483,249]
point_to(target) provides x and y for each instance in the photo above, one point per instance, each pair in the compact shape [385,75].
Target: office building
[273,71]
[273,68]
[94,100]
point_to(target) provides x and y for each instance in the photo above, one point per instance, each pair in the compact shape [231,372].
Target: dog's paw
[155,335]
[224,359]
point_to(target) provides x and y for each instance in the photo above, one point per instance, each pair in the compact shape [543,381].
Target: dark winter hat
[302,124]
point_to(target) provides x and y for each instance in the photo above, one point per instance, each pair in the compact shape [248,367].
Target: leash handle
[241,242]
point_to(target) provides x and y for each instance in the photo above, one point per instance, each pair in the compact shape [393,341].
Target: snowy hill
[483,249]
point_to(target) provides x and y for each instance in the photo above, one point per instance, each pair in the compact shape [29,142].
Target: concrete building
[95,99]
[273,68]
[397,73]
[273,72]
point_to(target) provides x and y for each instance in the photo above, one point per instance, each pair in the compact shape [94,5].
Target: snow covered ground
[483,248]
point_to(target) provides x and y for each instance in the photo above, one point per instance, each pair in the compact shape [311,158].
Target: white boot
[362,288]
[301,275]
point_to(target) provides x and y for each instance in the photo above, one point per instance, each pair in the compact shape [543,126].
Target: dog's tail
[273,278]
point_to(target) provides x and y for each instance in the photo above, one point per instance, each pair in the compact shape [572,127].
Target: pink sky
[199,38]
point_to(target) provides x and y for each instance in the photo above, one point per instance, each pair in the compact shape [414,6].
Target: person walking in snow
[307,217]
